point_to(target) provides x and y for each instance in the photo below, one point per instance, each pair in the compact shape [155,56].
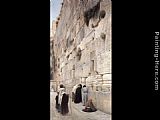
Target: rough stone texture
[83,52]
[52,57]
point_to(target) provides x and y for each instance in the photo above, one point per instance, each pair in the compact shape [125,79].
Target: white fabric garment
[84,90]
[61,92]
[74,88]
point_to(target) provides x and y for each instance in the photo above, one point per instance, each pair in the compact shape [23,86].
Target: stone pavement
[54,115]
[80,115]
[75,112]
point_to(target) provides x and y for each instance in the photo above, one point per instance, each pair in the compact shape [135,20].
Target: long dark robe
[78,95]
[73,96]
[57,101]
[64,104]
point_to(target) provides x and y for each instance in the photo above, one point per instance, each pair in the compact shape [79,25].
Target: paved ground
[54,115]
[80,115]
[75,112]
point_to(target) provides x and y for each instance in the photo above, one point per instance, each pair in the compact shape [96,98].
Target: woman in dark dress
[57,105]
[64,104]
[78,94]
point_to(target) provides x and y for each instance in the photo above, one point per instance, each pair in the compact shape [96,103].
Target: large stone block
[106,87]
[98,76]
[99,87]
[104,103]
[107,77]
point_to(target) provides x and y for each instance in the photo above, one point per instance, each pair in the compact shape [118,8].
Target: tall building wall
[82,48]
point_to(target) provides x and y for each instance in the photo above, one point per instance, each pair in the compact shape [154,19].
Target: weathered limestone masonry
[82,48]
[52,81]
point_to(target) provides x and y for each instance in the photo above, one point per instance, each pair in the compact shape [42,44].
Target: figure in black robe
[64,104]
[78,94]
[57,105]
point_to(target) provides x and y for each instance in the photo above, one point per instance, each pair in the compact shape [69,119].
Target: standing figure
[73,92]
[52,88]
[78,94]
[60,95]
[64,103]
[84,95]
[57,105]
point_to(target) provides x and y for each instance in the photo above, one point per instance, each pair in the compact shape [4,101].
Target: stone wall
[82,48]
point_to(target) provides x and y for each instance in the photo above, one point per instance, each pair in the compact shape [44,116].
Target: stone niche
[78,54]
[92,12]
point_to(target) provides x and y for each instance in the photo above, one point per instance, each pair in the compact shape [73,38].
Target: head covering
[61,86]
[61,92]
[74,88]
[80,85]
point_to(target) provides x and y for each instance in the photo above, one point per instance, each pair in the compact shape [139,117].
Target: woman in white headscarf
[61,92]
[73,92]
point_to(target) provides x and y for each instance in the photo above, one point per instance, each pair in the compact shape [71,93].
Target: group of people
[62,99]
[80,94]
